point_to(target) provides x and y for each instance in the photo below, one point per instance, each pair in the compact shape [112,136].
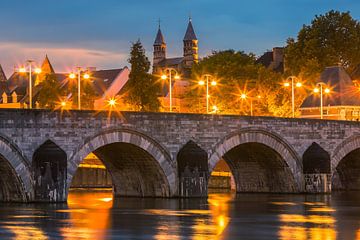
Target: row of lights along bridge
[170,74]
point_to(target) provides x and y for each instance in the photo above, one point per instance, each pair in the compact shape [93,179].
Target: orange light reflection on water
[319,226]
[89,215]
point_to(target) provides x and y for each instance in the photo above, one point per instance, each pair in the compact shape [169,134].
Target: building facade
[341,103]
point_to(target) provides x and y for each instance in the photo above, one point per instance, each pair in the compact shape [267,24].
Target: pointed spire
[159,40]
[2,75]
[46,67]
[190,33]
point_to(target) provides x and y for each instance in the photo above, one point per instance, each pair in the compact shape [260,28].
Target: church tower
[190,46]
[159,48]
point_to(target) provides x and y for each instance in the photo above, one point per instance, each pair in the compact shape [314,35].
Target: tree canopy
[238,73]
[49,92]
[330,39]
[142,89]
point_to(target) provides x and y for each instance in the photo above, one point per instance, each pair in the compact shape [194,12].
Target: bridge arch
[131,147]
[345,164]
[280,153]
[15,175]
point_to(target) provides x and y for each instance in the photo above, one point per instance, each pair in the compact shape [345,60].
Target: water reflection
[89,215]
[221,216]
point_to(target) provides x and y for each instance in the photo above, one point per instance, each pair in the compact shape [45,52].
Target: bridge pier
[193,171]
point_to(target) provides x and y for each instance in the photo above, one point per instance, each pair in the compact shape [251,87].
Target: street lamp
[30,71]
[73,76]
[170,71]
[317,90]
[293,85]
[202,83]
[243,96]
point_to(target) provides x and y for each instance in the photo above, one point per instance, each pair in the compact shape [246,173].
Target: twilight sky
[99,32]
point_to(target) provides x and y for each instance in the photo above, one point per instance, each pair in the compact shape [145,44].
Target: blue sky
[99,33]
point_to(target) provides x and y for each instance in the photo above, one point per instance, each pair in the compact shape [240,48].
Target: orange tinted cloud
[64,59]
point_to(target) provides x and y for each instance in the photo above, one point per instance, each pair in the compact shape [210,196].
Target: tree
[237,73]
[330,39]
[50,92]
[142,89]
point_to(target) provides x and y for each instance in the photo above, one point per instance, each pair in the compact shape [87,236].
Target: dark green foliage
[237,73]
[330,39]
[142,89]
[50,92]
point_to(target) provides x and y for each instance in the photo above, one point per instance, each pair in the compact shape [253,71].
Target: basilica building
[181,64]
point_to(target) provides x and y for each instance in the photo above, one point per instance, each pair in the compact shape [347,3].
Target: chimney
[278,55]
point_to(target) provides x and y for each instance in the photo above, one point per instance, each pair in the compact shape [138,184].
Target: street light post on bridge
[30,71]
[73,76]
[213,83]
[293,85]
[169,71]
[316,90]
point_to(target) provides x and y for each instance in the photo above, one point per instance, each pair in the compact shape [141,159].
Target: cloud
[63,58]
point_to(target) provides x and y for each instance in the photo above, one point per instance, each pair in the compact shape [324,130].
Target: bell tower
[191,55]
[159,48]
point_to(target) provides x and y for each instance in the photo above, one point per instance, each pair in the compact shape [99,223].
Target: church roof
[159,38]
[170,62]
[46,67]
[2,75]
[190,33]
[343,91]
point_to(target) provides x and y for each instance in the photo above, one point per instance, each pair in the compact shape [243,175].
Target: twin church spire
[190,48]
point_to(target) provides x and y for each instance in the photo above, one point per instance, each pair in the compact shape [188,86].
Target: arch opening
[258,168]
[221,179]
[127,169]
[317,169]
[10,185]
[346,176]
[49,166]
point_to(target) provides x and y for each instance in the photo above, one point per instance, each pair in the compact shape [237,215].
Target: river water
[95,215]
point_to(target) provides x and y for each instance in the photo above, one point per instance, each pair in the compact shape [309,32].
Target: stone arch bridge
[171,155]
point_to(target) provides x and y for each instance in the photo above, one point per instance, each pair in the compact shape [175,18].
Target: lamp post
[170,71]
[24,70]
[293,85]
[213,83]
[243,96]
[73,76]
[316,90]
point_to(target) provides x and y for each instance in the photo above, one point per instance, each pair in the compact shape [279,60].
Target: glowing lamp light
[37,70]
[298,84]
[327,90]
[72,75]
[286,84]
[316,90]
[213,83]
[86,76]
[63,103]
[112,102]
[163,77]
[215,108]
[177,77]
[243,96]
[22,70]
[258,96]
[201,82]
